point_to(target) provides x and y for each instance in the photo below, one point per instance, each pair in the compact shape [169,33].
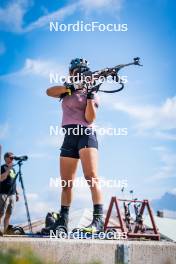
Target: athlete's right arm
[56,91]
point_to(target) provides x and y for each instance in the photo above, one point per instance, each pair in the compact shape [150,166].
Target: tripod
[24,195]
[19,173]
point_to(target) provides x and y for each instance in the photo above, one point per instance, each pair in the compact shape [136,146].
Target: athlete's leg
[68,168]
[89,161]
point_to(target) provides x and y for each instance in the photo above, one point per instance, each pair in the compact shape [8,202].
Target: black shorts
[84,138]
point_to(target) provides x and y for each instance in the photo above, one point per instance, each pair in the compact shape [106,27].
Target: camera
[20,158]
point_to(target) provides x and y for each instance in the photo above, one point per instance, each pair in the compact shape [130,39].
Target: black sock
[98,209]
[64,212]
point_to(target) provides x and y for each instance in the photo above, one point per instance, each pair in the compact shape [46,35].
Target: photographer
[8,190]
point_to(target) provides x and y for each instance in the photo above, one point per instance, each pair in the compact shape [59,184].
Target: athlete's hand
[90,95]
[70,87]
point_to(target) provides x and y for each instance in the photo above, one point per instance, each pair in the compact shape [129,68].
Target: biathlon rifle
[105,73]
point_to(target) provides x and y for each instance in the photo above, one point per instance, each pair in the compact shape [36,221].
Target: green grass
[14,257]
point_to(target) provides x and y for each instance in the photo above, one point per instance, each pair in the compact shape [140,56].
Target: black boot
[51,218]
[61,224]
[96,226]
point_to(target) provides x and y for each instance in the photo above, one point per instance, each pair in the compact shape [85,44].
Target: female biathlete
[79,111]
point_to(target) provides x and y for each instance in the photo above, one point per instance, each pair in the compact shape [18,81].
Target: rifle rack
[149,233]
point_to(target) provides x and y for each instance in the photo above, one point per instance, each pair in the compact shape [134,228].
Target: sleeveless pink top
[73,108]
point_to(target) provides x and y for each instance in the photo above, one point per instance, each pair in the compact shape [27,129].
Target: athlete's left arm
[90,112]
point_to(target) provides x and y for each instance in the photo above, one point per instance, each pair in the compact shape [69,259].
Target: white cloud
[167,169]
[101,5]
[45,200]
[40,67]
[155,120]
[95,3]
[173,191]
[50,141]
[169,214]
[165,135]
[11,16]
[15,23]
[39,155]
[32,196]
[48,200]
[35,67]
[57,15]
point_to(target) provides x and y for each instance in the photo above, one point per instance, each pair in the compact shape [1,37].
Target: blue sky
[147,106]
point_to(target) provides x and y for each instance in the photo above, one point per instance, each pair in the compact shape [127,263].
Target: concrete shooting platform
[74,251]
